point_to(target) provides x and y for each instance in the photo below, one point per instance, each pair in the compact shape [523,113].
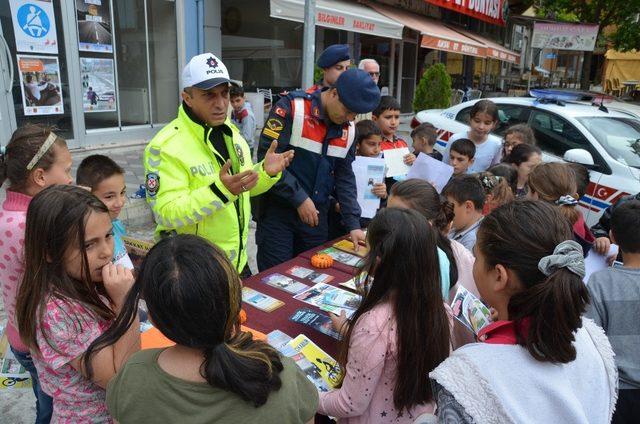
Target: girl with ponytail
[422,197]
[555,183]
[540,361]
[215,372]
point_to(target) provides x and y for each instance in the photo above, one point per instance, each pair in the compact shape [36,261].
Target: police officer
[199,173]
[293,215]
[333,61]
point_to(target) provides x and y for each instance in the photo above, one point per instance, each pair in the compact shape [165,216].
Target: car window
[556,135]
[508,114]
[620,137]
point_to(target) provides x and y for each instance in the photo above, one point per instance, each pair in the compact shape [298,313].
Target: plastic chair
[474,94]
[456,96]
[266,92]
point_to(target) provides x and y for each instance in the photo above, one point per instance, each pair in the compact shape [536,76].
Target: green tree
[434,89]
[620,15]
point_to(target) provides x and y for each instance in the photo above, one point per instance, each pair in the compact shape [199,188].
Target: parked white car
[606,141]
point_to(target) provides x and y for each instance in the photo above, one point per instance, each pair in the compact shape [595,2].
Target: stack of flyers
[321,369]
[315,320]
[315,276]
[347,246]
[259,300]
[287,284]
[330,299]
[342,257]
[358,283]
[470,310]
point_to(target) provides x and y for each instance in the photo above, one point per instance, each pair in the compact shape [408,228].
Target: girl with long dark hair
[400,331]
[539,361]
[215,372]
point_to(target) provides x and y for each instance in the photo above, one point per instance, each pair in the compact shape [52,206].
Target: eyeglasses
[374,74]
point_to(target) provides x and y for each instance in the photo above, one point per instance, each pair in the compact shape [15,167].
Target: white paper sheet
[368,171]
[595,262]
[432,170]
[394,159]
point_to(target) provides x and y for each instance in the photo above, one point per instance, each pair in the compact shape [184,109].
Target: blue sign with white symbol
[33,20]
[34,26]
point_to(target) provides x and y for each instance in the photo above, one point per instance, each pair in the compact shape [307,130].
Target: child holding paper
[467,195]
[615,292]
[424,137]
[461,156]
[400,331]
[387,117]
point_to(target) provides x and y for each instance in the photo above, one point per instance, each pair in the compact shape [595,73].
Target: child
[615,292]
[603,228]
[242,114]
[423,198]
[483,118]
[461,156]
[34,159]
[530,272]
[424,137]
[368,144]
[70,294]
[523,157]
[507,172]
[387,117]
[215,372]
[555,183]
[400,331]
[467,195]
[106,180]
[516,135]
[496,190]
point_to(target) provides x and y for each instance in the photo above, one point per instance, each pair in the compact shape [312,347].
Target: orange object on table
[321,260]
[153,338]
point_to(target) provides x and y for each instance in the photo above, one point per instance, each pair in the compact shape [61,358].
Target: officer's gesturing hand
[238,183]
[276,162]
[308,213]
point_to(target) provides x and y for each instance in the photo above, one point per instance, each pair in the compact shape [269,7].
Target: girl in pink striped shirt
[399,333]
[34,159]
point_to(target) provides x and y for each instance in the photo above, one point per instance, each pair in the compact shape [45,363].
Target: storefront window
[40,86]
[261,51]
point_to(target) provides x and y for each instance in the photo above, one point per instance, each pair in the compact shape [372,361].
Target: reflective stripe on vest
[309,134]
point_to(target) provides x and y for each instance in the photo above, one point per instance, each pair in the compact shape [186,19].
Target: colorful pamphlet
[330,299]
[320,368]
[283,283]
[342,257]
[260,300]
[350,284]
[347,246]
[315,320]
[309,274]
[470,310]
[280,341]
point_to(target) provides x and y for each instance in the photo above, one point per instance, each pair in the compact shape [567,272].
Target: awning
[434,34]
[493,49]
[340,15]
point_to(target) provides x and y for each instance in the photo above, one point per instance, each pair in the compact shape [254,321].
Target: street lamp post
[308,43]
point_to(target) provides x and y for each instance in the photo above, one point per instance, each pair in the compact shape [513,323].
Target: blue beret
[357,91]
[332,55]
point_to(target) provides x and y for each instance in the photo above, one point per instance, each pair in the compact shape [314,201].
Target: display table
[266,322]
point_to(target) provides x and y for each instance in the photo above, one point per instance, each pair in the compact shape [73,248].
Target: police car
[606,141]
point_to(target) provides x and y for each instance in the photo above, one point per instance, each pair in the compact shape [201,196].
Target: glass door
[34,67]
[7,115]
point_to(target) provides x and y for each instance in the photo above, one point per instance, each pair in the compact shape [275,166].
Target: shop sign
[502,55]
[40,85]
[492,11]
[94,26]
[34,26]
[98,85]
[436,43]
[555,36]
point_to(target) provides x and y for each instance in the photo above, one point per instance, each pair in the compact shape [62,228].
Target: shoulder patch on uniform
[280,112]
[152,184]
[275,124]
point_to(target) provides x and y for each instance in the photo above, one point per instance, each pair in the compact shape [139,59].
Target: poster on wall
[40,85]
[94,26]
[564,36]
[98,85]
[34,26]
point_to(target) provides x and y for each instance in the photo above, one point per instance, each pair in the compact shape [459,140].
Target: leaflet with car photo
[284,283]
[309,274]
[342,257]
[260,300]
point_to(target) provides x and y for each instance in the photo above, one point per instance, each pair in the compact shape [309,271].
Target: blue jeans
[44,402]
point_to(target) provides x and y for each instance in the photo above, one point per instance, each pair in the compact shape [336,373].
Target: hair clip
[566,200]
[42,151]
